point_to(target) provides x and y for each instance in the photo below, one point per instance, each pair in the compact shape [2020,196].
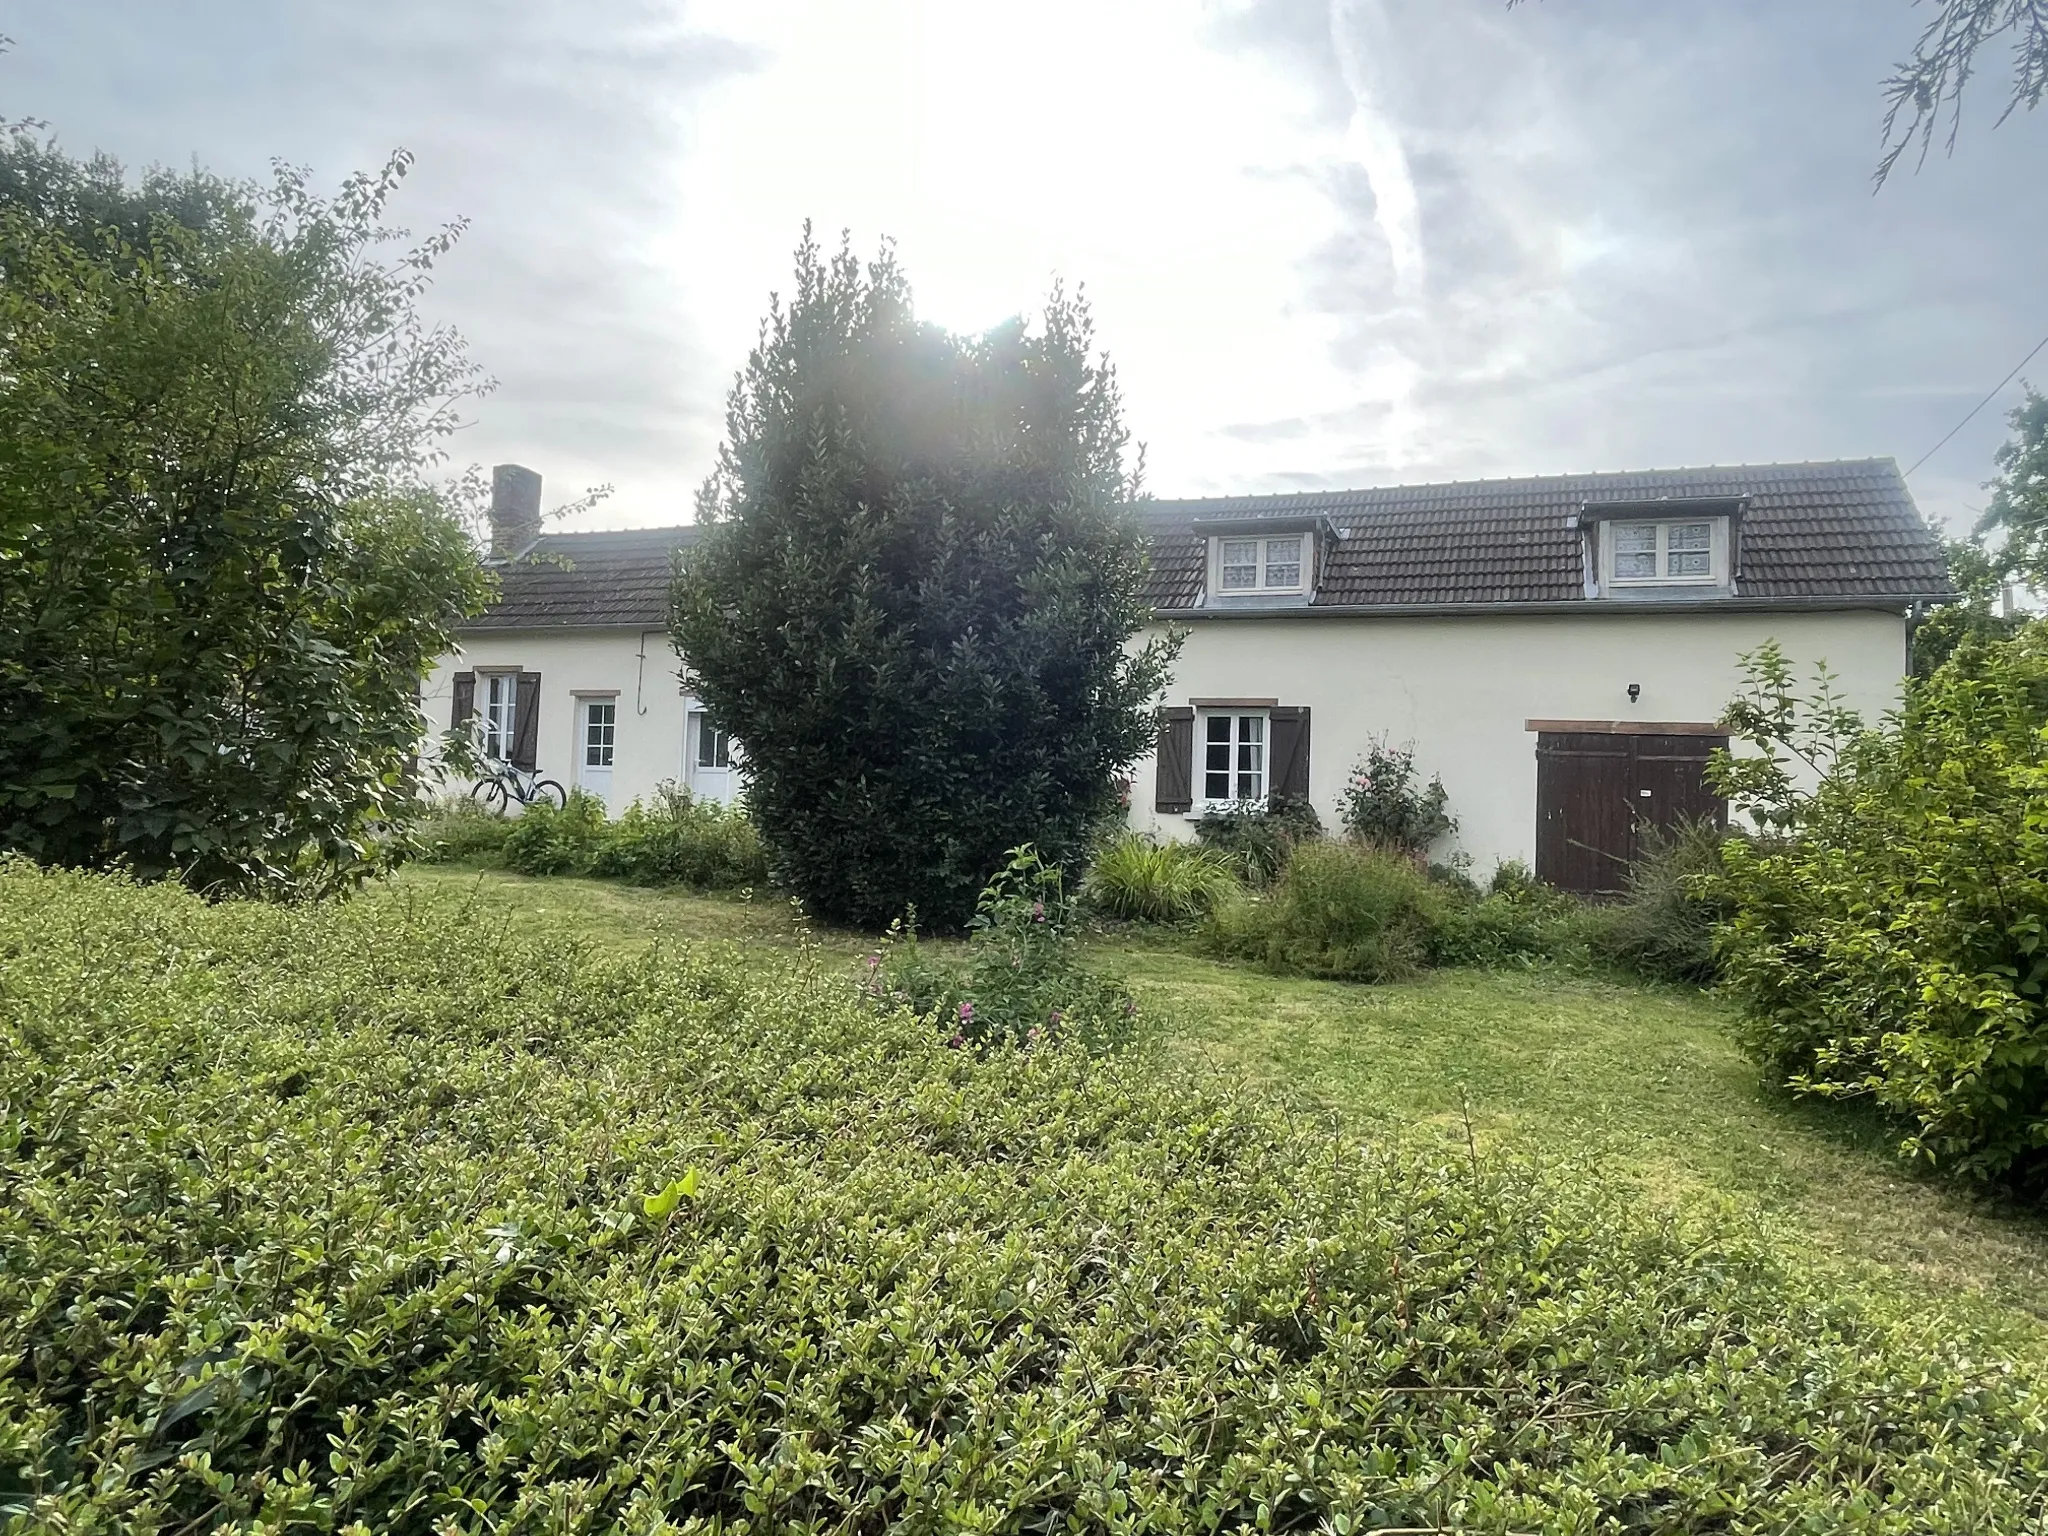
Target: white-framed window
[499,711]
[714,747]
[1272,563]
[1234,754]
[600,730]
[1670,552]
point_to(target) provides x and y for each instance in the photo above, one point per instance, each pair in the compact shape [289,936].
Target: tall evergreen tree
[918,598]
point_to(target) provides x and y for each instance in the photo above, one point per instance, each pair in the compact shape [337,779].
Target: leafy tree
[1944,59]
[1979,576]
[2019,496]
[917,600]
[222,571]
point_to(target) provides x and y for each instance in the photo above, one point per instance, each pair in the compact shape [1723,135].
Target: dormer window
[1689,551]
[1262,565]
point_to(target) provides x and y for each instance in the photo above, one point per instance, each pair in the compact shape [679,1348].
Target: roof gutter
[1580,607]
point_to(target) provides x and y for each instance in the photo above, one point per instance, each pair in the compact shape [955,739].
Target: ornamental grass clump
[1340,910]
[1142,880]
[394,1216]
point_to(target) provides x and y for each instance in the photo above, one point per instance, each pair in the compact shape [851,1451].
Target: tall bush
[917,594]
[1889,937]
[223,569]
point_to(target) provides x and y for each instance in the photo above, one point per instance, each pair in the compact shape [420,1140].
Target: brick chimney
[515,510]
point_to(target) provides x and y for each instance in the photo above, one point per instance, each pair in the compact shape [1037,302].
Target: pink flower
[957,1041]
[1038,911]
[967,1013]
[1032,1035]
[874,960]
[1053,1020]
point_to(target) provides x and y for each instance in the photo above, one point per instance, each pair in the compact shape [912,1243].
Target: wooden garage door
[1597,792]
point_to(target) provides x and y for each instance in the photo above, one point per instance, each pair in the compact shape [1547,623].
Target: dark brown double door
[1599,793]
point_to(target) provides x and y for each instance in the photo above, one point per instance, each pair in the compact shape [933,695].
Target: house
[569,673]
[1558,650]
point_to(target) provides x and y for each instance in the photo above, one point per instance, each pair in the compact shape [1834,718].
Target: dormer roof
[1845,531]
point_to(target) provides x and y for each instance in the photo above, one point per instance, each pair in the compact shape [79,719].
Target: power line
[1952,431]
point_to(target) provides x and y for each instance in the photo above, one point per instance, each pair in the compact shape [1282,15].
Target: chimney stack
[515,510]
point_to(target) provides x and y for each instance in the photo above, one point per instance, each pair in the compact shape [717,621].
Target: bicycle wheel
[549,790]
[490,794]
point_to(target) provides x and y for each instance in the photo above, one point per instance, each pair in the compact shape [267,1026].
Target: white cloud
[1327,241]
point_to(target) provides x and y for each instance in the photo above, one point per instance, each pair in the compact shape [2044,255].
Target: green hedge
[672,839]
[392,1217]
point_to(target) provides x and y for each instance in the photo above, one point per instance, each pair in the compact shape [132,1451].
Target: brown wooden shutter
[1290,752]
[526,722]
[1174,772]
[465,700]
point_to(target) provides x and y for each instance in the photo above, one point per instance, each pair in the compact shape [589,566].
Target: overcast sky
[1328,242]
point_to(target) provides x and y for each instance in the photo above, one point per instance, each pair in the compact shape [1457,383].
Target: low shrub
[1340,910]
[1022,981]
[678,839]
[459,831]
[1257,837]
[675,840]
[394,1216]
[1663,927]
[1137,878]
[1386,803]
[1514,924]
[549,840]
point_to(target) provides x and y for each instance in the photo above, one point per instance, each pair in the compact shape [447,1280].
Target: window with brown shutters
[1173,771]
[526,723]
[465,700]
[1289,772]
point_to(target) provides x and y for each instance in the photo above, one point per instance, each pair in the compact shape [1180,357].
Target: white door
[707,760]
[597,723]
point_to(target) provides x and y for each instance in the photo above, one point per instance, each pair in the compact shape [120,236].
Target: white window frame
[1236,771]
[1302,539]
[707,732]
[497,709]
[609,746]
[1717,561]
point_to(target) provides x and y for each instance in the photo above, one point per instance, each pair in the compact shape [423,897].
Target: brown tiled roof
[588,580]
[1838,530]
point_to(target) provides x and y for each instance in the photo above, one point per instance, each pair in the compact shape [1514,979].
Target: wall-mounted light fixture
[1635,691]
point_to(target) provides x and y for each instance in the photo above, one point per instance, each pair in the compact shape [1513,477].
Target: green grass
[1645,1080]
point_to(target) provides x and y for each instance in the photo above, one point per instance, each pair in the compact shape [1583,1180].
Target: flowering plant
[1024,981]
[1385,803]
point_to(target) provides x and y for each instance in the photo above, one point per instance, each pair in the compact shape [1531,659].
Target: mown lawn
[1644,1081]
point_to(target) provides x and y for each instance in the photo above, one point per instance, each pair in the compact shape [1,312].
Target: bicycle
[504,785]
